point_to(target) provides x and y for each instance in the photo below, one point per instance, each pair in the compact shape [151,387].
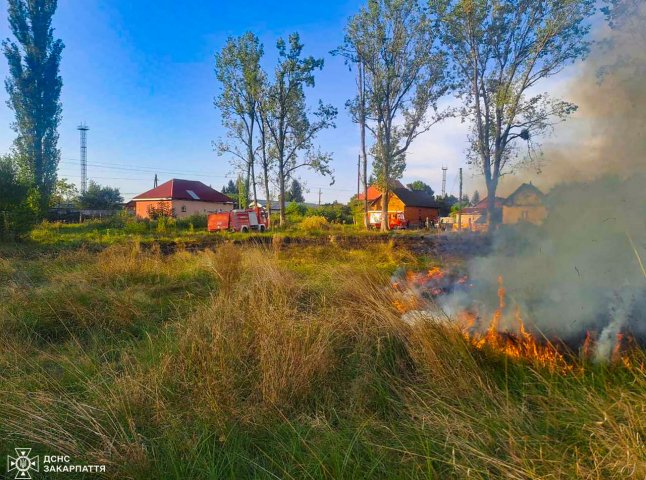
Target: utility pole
[155,180]
[460,203]
[319,196]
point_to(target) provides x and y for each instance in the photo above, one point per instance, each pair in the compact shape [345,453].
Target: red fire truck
[396,220]
[239,220]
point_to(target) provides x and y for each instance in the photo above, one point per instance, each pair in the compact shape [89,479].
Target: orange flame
[520,343]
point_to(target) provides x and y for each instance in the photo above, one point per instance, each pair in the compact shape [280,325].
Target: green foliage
[290,128]
[230,187]
[18,203]
[294,212]
[420,186]
[165,224]
[195,221]
[237,68]
[34,87]
[98,197]
[333,212]
[295,192]
[313,224]
[65,193]
[159,210]
[475,198]
[404,78]
[498,85]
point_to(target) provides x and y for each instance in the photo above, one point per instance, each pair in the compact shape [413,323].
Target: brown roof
[481,206]
[413,198]
[525,187]
[178,189]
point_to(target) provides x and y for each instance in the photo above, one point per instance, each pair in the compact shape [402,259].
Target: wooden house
[411,208]
[524,205]
[475,218]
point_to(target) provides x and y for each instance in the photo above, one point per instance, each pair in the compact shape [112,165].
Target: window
[524,215]
[183,208]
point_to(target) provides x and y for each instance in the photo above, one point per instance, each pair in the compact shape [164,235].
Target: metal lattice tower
[444,169]
[83,128]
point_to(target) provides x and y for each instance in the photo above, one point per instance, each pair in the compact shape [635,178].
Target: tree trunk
[281,187]
[253,183]
[492,218]
[362,128]
[384,210]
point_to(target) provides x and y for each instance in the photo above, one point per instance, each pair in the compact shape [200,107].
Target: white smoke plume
[580,271]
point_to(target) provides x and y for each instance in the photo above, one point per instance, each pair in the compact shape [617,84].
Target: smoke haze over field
[581,269]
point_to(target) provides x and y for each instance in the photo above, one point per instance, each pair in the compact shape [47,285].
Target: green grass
[252,362]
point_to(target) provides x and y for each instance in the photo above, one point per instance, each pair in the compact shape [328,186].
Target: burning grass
[293,364]
[501,329]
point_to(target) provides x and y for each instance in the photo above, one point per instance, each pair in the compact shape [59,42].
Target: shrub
[333,213]
[166,223]
[294,209]
[311,224]
[195,221]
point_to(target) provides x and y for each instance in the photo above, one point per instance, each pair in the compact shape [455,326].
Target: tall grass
[267,363]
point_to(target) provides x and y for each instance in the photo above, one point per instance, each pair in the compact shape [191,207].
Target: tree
[230,187]
[403,81]
[357,109]
[160,210]
[266,160]
[420,186]
[475,198]
[97,197]
[65,192]
[34,88]
[500,50]
[12,190]
[295,193]
[15,214]
[290,129]
[237,68]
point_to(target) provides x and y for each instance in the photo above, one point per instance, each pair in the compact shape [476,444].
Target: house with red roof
[181,198]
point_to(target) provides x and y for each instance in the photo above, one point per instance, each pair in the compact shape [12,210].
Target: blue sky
[141,75]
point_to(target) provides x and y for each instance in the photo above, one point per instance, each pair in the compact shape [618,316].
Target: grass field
[267,362]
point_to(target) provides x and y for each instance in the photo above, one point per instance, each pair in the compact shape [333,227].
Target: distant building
[524,205]
[183,198]
[475,218]
[407,208]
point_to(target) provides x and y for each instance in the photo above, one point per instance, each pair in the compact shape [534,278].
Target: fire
[484,334]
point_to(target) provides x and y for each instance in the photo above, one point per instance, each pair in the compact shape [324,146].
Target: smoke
[580,271]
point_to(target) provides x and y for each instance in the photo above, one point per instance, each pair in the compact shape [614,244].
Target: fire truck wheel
[244,229]
[261,228]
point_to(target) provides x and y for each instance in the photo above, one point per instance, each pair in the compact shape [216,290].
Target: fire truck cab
[239,220]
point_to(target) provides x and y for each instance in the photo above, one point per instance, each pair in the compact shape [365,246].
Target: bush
[165,223]
[333,213]
[295,209]
[195,221]
[311,224]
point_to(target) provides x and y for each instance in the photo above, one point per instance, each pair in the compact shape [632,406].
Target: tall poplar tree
[237,68]
[500,52]
[404,80]
[34,87]
[289,127]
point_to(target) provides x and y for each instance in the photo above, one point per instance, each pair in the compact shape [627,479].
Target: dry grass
[296,365]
